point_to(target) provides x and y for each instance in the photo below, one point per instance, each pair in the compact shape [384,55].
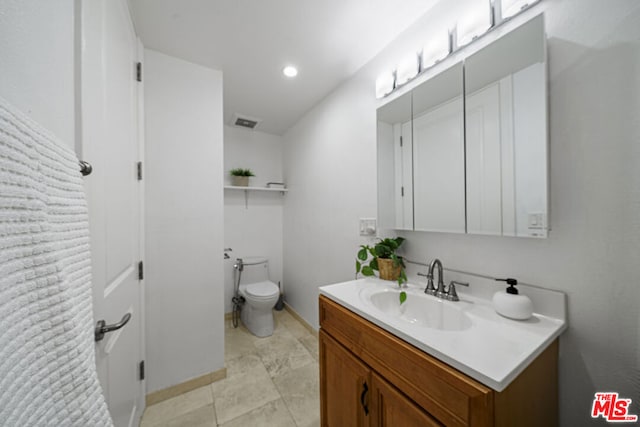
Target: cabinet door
[391,408]
[344,386]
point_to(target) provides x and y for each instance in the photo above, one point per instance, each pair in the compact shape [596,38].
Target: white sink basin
[422,310]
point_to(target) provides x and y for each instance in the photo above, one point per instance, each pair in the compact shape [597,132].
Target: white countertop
[493,351]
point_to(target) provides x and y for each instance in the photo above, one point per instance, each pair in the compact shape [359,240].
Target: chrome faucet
[440,292]
[450,294]
[430,289]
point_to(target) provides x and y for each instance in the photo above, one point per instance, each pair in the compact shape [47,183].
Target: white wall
[37,62]
[593,250]
[330,169]
[184,235]
[256,230]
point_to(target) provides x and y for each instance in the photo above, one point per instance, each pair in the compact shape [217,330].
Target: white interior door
[110,143]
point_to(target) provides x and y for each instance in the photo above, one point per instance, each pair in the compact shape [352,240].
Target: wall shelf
[249,189]
[234,187]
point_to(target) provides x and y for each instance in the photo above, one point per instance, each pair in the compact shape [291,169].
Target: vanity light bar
[510,8]
[433,52]
[408,69]
[452,38]
[414,65]
[385,84]
[496,12]
[473,23]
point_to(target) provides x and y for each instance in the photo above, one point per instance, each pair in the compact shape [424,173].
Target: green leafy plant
[367,261]
[241,172]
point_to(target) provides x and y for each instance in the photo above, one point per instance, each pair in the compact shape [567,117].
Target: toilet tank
[256,269]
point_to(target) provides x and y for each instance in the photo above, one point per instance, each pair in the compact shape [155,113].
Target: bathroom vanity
[383,366]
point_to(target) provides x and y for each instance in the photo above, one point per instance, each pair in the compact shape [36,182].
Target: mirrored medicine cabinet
[466,150]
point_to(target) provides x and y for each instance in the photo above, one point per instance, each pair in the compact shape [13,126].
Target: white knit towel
[47,359]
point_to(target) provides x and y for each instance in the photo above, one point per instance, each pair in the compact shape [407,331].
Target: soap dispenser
[510,304]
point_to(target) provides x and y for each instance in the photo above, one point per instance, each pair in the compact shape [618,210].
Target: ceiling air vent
[244,121]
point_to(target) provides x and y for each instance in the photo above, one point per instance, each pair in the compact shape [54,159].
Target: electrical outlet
[368,227]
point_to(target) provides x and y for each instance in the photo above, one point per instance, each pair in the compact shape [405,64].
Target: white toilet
[260,296]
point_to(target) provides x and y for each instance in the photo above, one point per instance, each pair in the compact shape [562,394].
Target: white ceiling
[252,40]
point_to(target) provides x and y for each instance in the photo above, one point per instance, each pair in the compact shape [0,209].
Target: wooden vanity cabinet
[389,407]
[354,395]
[345,382]
[369,377]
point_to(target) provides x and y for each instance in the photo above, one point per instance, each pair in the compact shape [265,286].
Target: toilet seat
[261,290]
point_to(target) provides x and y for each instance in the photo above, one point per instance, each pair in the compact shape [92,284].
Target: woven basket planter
[387,270]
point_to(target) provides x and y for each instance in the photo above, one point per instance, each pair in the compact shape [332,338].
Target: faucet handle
[430,289]
[452,295]
[440,292]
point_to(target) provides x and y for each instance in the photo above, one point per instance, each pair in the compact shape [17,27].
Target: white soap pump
[510,304]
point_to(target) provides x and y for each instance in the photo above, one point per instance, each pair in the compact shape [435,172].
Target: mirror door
[506,135]
[438,153]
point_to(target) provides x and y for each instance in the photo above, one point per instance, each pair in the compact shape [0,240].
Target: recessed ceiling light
[290,71]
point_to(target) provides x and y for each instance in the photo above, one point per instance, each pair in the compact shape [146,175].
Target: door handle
[102,328]
[363,397]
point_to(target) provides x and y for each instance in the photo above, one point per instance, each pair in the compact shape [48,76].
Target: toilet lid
[262,289]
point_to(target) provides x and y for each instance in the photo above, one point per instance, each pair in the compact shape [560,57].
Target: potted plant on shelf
[384,260]
[240,177]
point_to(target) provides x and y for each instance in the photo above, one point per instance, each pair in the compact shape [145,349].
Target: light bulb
[290,71]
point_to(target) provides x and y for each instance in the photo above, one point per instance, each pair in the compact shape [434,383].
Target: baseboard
[178,389]
[301,320]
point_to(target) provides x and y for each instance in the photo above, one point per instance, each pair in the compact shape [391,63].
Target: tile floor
[271,382]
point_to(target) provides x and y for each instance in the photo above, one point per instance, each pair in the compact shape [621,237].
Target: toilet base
[258,322]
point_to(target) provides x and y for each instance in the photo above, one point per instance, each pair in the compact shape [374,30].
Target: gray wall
[593,250]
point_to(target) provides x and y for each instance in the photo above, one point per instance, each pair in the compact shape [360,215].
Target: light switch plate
[537,221]
[368,227]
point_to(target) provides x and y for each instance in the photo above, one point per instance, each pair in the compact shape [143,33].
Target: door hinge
[402,191]
[139,171]
[400,141]
[139,71]
[140,270]
[141,370]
